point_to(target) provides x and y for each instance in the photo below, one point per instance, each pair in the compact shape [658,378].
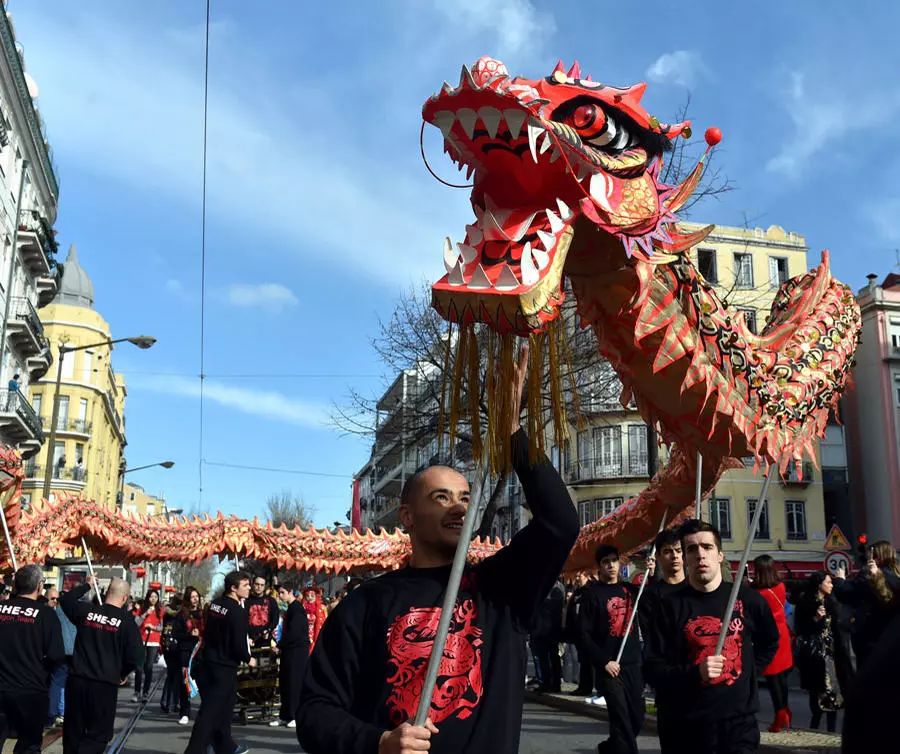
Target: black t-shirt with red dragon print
[685,631]
[367,670]
[603,618]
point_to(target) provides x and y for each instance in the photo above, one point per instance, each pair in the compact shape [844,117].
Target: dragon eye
[598,129]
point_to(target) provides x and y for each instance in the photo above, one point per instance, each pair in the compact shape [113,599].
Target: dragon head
[548,156]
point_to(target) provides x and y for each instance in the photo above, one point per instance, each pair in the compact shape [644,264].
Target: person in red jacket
[149,621]
[769,585]
[315,612]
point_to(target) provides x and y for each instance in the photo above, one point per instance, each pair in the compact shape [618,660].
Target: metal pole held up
[87,556]
[637,600]
[9,544]
[698,489]
[736,585]
[440,638]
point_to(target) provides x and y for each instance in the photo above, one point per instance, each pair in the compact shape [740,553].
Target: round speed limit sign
[836,560]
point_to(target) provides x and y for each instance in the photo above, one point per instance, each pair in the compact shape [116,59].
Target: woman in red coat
[767,582]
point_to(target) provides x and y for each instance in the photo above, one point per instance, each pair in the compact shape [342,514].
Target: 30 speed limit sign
[836,560]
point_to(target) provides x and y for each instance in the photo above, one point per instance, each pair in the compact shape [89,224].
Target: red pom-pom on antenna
[713,136]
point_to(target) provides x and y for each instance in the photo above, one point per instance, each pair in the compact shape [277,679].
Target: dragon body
[566,185]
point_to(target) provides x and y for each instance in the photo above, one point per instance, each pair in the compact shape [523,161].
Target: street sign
[836,560]
[836,540]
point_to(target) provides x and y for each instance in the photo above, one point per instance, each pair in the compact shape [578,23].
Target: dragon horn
[574,71]
[560,68]
[680,196]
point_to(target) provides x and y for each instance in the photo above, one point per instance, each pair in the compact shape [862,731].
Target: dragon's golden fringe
[479,380]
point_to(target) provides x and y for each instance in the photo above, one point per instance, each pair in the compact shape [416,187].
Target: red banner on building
[355,522]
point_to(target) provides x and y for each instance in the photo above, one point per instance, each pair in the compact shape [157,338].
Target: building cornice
[14,63]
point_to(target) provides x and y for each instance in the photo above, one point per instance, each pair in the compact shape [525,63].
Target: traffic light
[861,542]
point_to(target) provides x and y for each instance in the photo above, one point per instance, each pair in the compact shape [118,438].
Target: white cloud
[272,297]
[517,24]
[268,404]
[175,287]
[682,67]
[823,116]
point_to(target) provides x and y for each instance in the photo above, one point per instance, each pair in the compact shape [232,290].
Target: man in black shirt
[665,574]
[31,647]
[224,647]
[107,648]
[262,614]
[708,702]
[366,673]
[605,609]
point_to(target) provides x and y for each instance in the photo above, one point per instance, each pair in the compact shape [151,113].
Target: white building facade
[29,193]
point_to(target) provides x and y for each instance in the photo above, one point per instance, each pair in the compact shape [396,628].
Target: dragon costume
[566,186]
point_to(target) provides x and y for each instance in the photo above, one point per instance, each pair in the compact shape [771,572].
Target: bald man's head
[433,504]
[118,592]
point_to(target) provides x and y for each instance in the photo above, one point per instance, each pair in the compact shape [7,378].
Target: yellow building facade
[137,501]
[606,461]
[90,429]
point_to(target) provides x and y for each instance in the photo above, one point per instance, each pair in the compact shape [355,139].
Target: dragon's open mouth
[543,153]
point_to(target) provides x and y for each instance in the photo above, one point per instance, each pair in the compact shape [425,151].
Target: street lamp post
[122,472]
[141,341]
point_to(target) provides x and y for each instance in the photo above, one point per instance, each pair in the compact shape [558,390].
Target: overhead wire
[203,250]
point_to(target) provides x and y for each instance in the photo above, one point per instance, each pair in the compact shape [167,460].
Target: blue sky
[320,212]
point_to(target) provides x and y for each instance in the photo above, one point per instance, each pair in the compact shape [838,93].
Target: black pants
[171,697]
[586,675]
[624,697]
[218,693]
[90,716]
[144,673]
[778,689]
[734,735]
[549,663]
[816,714]
[290,678]
[23,713]
[184,699]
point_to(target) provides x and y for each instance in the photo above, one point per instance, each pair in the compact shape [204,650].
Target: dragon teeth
[493,230]
[469,253]
[564,210]
[533,133]
[514,119]
[450,256]
[491,117]
[467,118]
[465,78]
[479,280]
[474,234]
[530,272]
[456,276]
[547,239]
[546,143]
[444,119]
[507,279]
[541,258]
[556,225]
[600,190]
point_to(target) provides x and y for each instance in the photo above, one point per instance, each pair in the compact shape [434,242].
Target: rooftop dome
[75,288]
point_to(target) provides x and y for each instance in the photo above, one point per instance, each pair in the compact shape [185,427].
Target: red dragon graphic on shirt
[702,633]
[618,609]
[258,614]
[459,684]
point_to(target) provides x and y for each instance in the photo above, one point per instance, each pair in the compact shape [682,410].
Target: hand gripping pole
[637,600]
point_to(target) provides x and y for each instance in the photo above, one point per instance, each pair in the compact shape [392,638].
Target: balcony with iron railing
[65,425]
[36,243]
[608,467]
[68,474]
[39,364]
[18,419]
[25,327]
[792,475]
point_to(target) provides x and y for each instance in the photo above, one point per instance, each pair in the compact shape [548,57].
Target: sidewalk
[794,741]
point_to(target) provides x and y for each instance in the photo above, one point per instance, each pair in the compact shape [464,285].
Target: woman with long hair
[150,623]
[815,650]
[874,594]
[187,628]
[768,583]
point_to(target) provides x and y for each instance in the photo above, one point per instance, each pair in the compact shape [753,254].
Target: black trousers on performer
[218,694]
[290,678]
[90,715]
[734,735]
[24,713]
[624,697]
